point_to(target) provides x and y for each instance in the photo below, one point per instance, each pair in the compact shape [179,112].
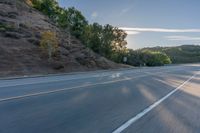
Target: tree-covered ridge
[180,54]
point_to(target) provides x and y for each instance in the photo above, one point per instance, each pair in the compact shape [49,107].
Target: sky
[149,23]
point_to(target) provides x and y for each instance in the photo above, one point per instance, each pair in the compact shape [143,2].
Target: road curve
[147,100]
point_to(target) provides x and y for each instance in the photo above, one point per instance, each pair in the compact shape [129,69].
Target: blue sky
[148,22]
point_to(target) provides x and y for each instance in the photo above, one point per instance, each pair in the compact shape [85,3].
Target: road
[143,100]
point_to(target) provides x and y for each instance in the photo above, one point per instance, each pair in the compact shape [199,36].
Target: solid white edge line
[145,111]
[59,90]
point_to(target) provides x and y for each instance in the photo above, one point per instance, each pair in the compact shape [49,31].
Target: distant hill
[180,54]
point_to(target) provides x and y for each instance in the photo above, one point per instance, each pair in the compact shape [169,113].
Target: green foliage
[156,58]
[92,37]
[135,58]
[99,38]
[149,58]
[76,22]
[48,7]
[69,19]
[180,54]
[119,45]
[63,19]
[107,40]
[6,27]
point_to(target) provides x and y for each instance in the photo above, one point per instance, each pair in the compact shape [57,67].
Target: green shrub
[6,27]
[149,58]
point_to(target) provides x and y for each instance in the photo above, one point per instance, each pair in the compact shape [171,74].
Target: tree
[107,40]
[76,22]
[97,37]
[48,7]
[119,45]
[150,58]
[87,36]
[135,58]
[49,43]
[156,58]
[63,19]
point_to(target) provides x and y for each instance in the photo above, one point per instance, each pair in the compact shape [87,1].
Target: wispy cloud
[165,30]
[125,10]
[132,32]
[182,38]
[94,15]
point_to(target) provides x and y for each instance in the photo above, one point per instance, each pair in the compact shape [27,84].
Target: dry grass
[29,2]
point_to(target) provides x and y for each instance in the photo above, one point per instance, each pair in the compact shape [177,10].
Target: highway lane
[103,105]
[31,86]
[86,75]
[178,114]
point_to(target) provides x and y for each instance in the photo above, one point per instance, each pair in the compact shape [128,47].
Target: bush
[149,58]
[49,43]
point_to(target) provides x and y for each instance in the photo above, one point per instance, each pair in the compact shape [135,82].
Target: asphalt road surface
[143,100]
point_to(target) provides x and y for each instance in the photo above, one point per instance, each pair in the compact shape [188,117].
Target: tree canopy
[147,58]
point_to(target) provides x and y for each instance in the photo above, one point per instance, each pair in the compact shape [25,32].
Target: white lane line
[54,80]
[145,111]
[59,90]
[76,87]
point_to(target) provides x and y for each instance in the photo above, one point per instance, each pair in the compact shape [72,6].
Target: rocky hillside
[20,54]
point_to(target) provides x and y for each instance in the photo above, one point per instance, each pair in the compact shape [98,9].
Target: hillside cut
[21,27]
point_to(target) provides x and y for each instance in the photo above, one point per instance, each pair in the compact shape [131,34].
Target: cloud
[132,32]
[165,30]
[94,15]
[182,38]
[125,10]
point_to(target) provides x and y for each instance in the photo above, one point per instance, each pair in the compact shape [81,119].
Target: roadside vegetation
[179,54]
[106,40]
[49,43]
[147,58]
